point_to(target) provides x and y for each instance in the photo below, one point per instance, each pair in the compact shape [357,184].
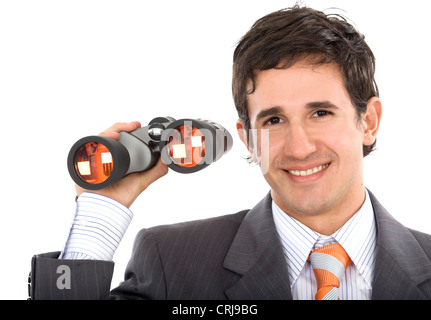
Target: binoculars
[186,146]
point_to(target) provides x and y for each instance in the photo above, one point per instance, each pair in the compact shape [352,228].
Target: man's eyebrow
[311,105]
[268,112]
[321,105]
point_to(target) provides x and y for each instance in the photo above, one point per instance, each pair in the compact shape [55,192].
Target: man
[303,82]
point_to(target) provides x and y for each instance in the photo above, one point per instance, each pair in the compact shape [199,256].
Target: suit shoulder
[220,229]
[227,223]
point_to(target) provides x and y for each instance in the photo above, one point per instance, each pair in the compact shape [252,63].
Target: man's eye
[273,120]
[321,113]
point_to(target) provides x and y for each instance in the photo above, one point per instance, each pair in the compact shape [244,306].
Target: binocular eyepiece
[185,145]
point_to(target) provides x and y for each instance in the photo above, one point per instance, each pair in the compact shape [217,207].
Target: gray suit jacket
[237,256]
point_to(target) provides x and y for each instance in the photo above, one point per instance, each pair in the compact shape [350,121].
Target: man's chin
[304,202]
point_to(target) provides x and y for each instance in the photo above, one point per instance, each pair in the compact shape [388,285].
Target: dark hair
[282,38]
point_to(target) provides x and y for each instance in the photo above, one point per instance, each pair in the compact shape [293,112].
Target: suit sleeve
[58,279]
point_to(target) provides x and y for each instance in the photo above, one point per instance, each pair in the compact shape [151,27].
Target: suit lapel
[256,255]
[401,265]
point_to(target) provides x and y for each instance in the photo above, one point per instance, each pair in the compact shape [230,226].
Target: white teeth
[309,171]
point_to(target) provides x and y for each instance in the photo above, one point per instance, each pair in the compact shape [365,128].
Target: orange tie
[329,264]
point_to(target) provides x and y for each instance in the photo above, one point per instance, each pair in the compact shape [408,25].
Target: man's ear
[242,133]
[371,120]
[245,138]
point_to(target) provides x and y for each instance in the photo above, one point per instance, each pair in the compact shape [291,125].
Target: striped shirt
[358,238]
[97,229]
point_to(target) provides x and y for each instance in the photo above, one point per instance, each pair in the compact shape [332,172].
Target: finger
[113,131]
[148,177]
[124,126]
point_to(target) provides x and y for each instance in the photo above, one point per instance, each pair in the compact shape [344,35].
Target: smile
[304,173]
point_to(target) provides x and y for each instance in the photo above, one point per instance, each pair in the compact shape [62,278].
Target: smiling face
[313,158]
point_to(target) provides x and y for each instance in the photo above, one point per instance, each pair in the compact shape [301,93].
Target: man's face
[313,158]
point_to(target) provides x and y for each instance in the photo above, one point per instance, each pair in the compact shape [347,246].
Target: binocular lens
[187,146]
[93,162]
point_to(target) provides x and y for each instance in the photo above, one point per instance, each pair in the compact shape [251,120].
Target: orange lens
[93,162]
[187,148]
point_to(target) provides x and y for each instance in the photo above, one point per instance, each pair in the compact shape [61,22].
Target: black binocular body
[185,145]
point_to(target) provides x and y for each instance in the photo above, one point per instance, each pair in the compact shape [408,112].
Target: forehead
[297,86]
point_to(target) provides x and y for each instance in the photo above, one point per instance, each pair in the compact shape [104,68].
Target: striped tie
[329,264]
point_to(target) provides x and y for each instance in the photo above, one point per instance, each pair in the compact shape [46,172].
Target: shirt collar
[357,236]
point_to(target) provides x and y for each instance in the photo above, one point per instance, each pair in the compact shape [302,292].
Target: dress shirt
[98,227]
[358,238]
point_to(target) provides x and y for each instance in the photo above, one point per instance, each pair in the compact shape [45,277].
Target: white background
[69,69]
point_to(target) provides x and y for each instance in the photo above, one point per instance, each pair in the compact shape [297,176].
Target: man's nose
[299,143]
